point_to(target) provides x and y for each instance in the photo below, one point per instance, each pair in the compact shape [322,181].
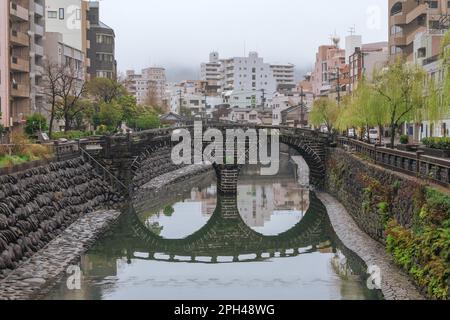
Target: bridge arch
[151,156]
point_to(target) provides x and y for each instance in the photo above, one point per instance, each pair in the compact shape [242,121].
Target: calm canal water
[273,241]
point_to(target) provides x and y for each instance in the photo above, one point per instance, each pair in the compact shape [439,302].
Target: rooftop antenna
[352,30]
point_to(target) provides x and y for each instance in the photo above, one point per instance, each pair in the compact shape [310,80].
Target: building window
[61,13]
[52,14]
[433,4]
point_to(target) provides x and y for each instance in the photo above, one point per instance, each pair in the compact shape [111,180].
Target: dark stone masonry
[365,189]
[38,204]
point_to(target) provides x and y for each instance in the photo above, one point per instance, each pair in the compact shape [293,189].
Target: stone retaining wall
[34,278]
[156,164]
[367,190]
[38,204]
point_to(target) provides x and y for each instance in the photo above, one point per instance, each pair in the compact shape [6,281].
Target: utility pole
[302,107]
[263,98]
[338,88]
[181,100]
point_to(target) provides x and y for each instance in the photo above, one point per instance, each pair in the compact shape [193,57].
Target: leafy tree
[35,123]
[110,115]
[147,121]
[445,48]
[325,111]
[400,88]
[2,129]
[105,90]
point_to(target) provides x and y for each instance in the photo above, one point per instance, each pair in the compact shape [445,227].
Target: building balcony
[18,12]
[19,38]
[39,30]
[39,50]
[20,91]
[19,64]
[39,70]
[416,12]
[39,9]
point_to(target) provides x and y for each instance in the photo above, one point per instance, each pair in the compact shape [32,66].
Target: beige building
[21,58]
[149,87]
[410,17]
[329,60]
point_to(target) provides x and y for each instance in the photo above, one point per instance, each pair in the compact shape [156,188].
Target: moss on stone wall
[413,220]
[424,250]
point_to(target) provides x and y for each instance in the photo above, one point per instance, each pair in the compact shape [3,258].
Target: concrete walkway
[395,283]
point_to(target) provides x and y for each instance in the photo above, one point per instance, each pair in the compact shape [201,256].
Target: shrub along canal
[273,241]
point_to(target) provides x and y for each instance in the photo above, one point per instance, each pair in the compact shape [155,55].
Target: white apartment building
[283,74]
[248,74]
[211,71]
[65,17]
[149,86]
[426,52]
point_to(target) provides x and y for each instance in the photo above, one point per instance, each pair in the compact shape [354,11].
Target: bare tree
[51,90]
[152,95]
[72,88]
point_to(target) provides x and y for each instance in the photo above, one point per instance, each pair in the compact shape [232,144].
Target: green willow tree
[325,111]
[400,90]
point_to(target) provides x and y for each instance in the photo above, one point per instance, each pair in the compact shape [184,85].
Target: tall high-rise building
[21,58]
[408,18]
[101,52]
[210,71]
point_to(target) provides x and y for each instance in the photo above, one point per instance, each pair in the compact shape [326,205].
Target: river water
[273,241]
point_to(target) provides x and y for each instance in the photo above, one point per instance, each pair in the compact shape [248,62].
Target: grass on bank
[21,151]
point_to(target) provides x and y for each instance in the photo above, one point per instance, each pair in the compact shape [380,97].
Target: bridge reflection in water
[273,240]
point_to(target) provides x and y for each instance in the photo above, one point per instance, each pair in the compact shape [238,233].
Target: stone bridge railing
[416,164]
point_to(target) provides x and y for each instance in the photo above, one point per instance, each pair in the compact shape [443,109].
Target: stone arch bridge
[138,157]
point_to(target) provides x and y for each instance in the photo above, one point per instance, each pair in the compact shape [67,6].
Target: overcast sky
[179,34]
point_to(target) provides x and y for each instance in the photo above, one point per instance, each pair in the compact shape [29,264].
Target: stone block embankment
[38,204]
[155,164]
[368,192]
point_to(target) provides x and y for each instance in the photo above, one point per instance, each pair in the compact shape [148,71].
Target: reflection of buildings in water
[302,170]
[207,197]
[291,196]
[257,203]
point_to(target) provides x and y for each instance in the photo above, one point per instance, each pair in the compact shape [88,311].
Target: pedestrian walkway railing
[416,164]
[113,181]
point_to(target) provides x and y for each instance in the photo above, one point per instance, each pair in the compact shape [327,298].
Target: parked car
[373,135]
[351,133]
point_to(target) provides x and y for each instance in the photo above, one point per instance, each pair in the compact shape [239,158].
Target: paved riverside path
[395,283]
[50,264]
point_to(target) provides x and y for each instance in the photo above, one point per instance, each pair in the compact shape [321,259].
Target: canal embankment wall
[410,218]
[38,204]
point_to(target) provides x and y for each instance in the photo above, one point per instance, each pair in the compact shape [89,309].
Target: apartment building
[365,60]
[37,55]
[283,74]
[70,19]
[427,53]
[329,65]
[21,54]
[211,71]
[408,18]
[101,52]
[149,87]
